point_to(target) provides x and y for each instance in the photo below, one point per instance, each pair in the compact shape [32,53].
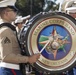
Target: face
[11,14]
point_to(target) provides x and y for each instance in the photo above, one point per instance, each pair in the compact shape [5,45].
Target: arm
[9,48]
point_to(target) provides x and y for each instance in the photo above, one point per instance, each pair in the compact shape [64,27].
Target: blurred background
[33,7]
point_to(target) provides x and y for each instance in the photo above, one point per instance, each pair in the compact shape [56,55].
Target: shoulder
[5,30]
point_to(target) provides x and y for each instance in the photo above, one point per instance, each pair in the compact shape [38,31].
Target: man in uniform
[10,56]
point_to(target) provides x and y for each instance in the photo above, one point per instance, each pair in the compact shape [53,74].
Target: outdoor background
[32,7]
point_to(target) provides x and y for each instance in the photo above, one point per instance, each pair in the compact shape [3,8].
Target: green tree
[50,5]
[33,7]
[27,7]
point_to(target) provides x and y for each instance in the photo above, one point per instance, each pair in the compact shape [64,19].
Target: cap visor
[13,7]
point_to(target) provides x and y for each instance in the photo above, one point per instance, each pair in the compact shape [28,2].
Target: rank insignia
[7,40]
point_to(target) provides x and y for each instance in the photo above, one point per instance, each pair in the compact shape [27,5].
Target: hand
[32,59]
[18,20]
[21,19]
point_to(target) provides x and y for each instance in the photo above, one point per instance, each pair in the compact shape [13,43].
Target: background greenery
[32,7]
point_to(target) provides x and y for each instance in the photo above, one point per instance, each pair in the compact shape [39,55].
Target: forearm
[15,58]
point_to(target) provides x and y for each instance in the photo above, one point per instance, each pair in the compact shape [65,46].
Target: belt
[9,65]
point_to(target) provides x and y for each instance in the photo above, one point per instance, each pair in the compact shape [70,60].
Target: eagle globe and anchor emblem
[53,36]
[54,43]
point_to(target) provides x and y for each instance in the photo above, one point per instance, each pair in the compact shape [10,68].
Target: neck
[7,21]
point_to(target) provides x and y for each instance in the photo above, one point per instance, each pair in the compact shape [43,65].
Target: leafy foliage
[33,7]
[27,7]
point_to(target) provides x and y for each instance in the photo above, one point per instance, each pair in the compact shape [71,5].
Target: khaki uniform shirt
[9,47]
